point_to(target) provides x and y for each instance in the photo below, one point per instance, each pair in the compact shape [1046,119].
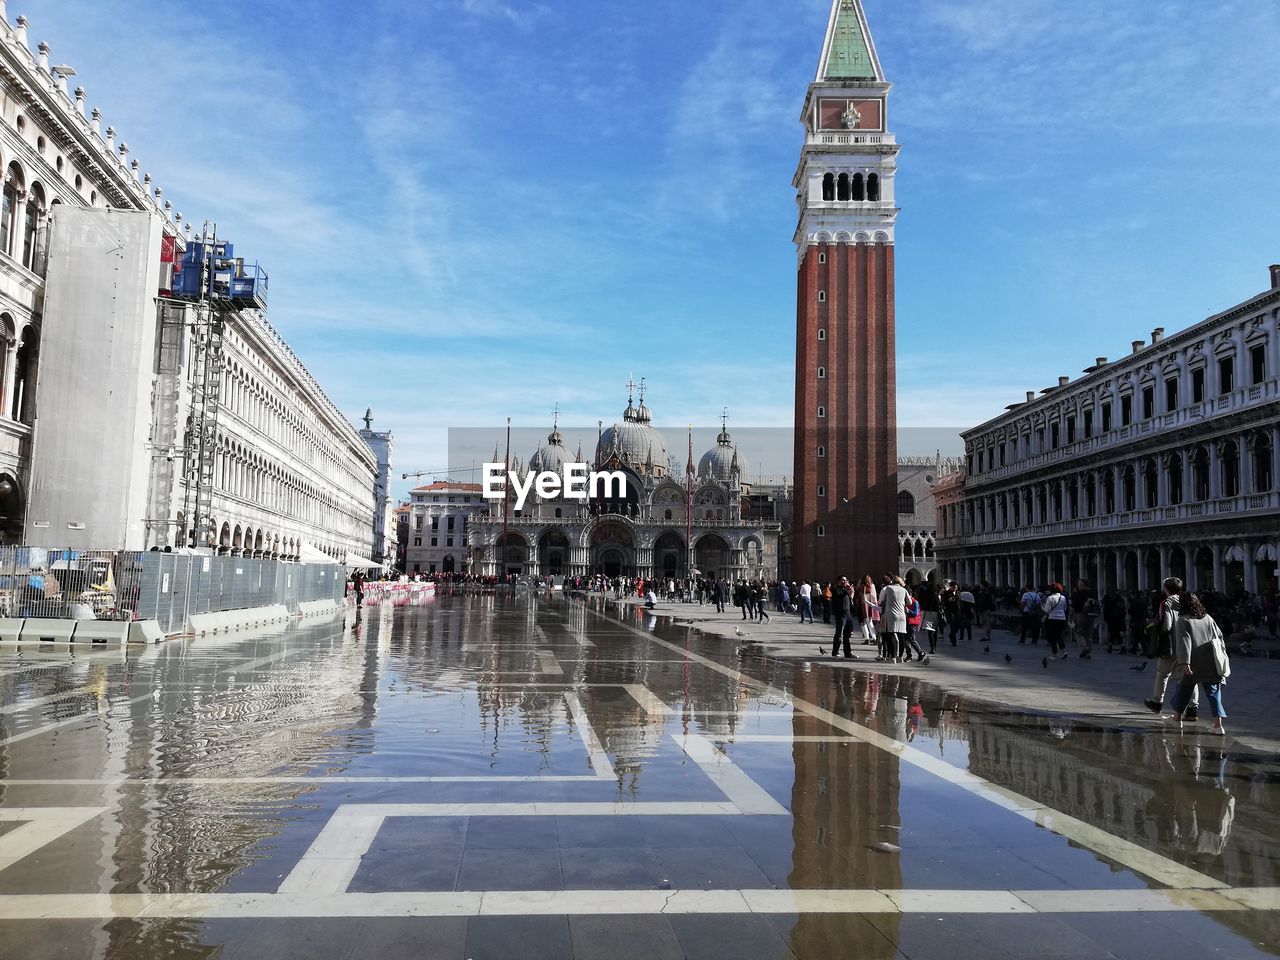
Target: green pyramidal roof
[848,55]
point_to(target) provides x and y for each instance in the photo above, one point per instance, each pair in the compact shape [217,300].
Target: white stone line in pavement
[747,795]
[600,761]
[560,903]
[1117,849]
[40,825]
[547,663]
[649,701]
[333,858]
[41,701]
[70,721]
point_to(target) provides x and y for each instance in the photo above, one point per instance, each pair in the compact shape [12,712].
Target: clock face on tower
[842,114]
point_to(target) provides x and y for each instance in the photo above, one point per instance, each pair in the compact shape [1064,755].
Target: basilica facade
[670,521]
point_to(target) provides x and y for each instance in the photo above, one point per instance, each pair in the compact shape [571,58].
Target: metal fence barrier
[167,587]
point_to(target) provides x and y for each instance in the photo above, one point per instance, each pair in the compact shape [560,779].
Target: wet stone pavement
[498,777]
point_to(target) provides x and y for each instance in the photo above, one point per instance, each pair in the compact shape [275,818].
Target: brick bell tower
[845,515]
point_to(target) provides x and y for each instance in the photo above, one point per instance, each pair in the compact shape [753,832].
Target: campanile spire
[845,519]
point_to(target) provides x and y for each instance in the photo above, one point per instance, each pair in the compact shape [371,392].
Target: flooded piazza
[527,775]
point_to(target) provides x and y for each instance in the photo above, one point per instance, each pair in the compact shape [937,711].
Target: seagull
[1140,667]
[1008,659]
[739,632]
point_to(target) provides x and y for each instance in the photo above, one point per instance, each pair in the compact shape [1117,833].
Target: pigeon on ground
[1008,659]
[1140,667]
[986,649]
[1045,663]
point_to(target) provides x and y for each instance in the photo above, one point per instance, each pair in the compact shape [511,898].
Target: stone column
[1244,468]
[1250,568]
[1164,562]
[1215,470]
[1218,567]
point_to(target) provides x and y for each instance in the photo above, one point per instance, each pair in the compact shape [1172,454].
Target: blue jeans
[1212,692]
[806,609]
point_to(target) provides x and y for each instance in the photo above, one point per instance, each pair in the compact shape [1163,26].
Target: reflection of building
[438,520]
[646,532]
[87,243]
[845,433]
[842,799]
[1163,463]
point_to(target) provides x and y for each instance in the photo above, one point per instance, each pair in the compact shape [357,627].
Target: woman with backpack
[915,616]
[1055,621]
[1202,655]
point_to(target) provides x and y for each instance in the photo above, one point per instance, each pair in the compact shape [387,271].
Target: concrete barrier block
[202,624]
[11,628]
[49,631]
[102,631]
[145,631]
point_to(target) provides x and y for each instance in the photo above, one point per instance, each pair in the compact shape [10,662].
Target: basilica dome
[552,456]
[722,460]
[634,441]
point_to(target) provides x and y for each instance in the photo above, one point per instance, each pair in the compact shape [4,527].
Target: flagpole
[688,511]
[506,500]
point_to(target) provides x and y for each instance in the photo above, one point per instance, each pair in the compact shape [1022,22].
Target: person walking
[1139,617]
[929,615]
[968,613]
[1084,617]
[1163,635]
[985,605]
[868,610]
[1055,606]
[951,609]
[845,619]
[893,620]
[826,604]
[1031,614]
[1201,655]
[1113,615]
[915,616]
[760,598]
[806,601]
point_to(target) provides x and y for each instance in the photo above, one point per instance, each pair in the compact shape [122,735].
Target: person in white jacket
[1056,607]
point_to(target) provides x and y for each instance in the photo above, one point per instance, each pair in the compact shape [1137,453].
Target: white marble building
[1162,463]
[293,477]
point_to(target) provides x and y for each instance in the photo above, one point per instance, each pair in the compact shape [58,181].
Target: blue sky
[474,209]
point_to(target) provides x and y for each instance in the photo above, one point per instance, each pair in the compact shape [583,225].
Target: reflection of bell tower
[846,400]
[844,799]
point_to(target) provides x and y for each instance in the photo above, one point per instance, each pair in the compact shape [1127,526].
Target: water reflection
[464,687]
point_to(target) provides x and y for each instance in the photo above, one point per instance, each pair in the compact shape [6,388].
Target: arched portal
[512,554]
[1203,575]
[553,553]
[613,549]
[12,508]
[447,565]
[669,559]
[711,555]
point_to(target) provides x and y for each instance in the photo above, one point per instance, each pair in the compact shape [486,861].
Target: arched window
[906,502]
[842,187]
[822,373]
[666,515]
[822,452]
[858,192]
[822,531]
[7,338]
[1230,470]
[1200,475]
[31,223]
[829,187]
[822,412]
[14,188]
[24,375]
[822,490]
[873,187]
[822,334]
